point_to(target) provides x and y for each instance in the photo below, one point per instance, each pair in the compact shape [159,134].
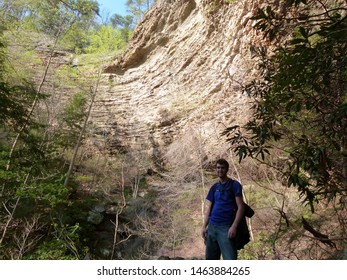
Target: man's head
[222,167]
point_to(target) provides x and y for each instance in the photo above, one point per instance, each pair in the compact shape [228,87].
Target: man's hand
[232,232]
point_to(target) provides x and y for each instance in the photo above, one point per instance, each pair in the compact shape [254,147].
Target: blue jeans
[217,243]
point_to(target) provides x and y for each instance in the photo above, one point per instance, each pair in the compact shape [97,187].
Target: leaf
[303,32]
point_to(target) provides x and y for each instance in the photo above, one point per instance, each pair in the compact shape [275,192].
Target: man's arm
[238,216]
[206,218]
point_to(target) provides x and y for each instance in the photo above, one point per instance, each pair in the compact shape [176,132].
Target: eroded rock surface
[182,70]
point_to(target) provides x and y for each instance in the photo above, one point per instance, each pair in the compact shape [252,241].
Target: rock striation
[182,70]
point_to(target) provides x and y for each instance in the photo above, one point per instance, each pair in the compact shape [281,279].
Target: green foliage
[258,249]
[125,24]
[12,104]
[106,39]
[69,20]
[32,185]
[14,99]
[13,12]
[73,22]
[301,102]
[33,198]
[75,110]
[47,194]
[68,75]
[81,19]
[138,8]
[71,120]
[51,250]
[65,246]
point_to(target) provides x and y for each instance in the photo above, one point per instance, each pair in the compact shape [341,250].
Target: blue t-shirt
[222,197]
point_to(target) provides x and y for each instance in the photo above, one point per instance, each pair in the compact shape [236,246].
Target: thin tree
[79,140]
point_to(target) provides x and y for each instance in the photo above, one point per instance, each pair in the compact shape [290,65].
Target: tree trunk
[72,162]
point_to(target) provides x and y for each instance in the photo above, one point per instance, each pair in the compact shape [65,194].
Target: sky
[113,6]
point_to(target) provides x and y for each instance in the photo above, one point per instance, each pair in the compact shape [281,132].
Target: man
[224,211]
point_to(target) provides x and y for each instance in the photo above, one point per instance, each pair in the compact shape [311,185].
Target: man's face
[221,170]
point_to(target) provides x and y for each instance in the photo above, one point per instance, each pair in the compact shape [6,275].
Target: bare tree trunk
[9,219]
[201,167]
[136,185]
[72,162]
[116,223]
[33,105]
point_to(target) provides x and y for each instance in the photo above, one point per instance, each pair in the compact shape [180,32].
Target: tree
[106,39]
[74,17]
[33,197]
[125,24]
[301,99]
[138,8]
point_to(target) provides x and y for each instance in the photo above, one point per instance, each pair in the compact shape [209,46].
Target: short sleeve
[210,194]
[237,188]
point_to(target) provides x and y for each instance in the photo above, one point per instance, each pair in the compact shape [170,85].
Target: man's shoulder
[214,186]
[237,188]
[234,181]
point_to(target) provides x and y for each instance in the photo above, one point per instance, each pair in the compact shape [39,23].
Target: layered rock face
[183,70]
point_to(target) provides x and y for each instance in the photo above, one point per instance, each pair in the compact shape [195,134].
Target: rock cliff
[181,71]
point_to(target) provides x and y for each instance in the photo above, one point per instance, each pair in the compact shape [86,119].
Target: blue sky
[113,6]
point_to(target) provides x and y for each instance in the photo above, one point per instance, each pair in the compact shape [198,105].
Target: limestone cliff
[182,70]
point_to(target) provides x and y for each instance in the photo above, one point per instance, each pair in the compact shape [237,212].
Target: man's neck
[224,179]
